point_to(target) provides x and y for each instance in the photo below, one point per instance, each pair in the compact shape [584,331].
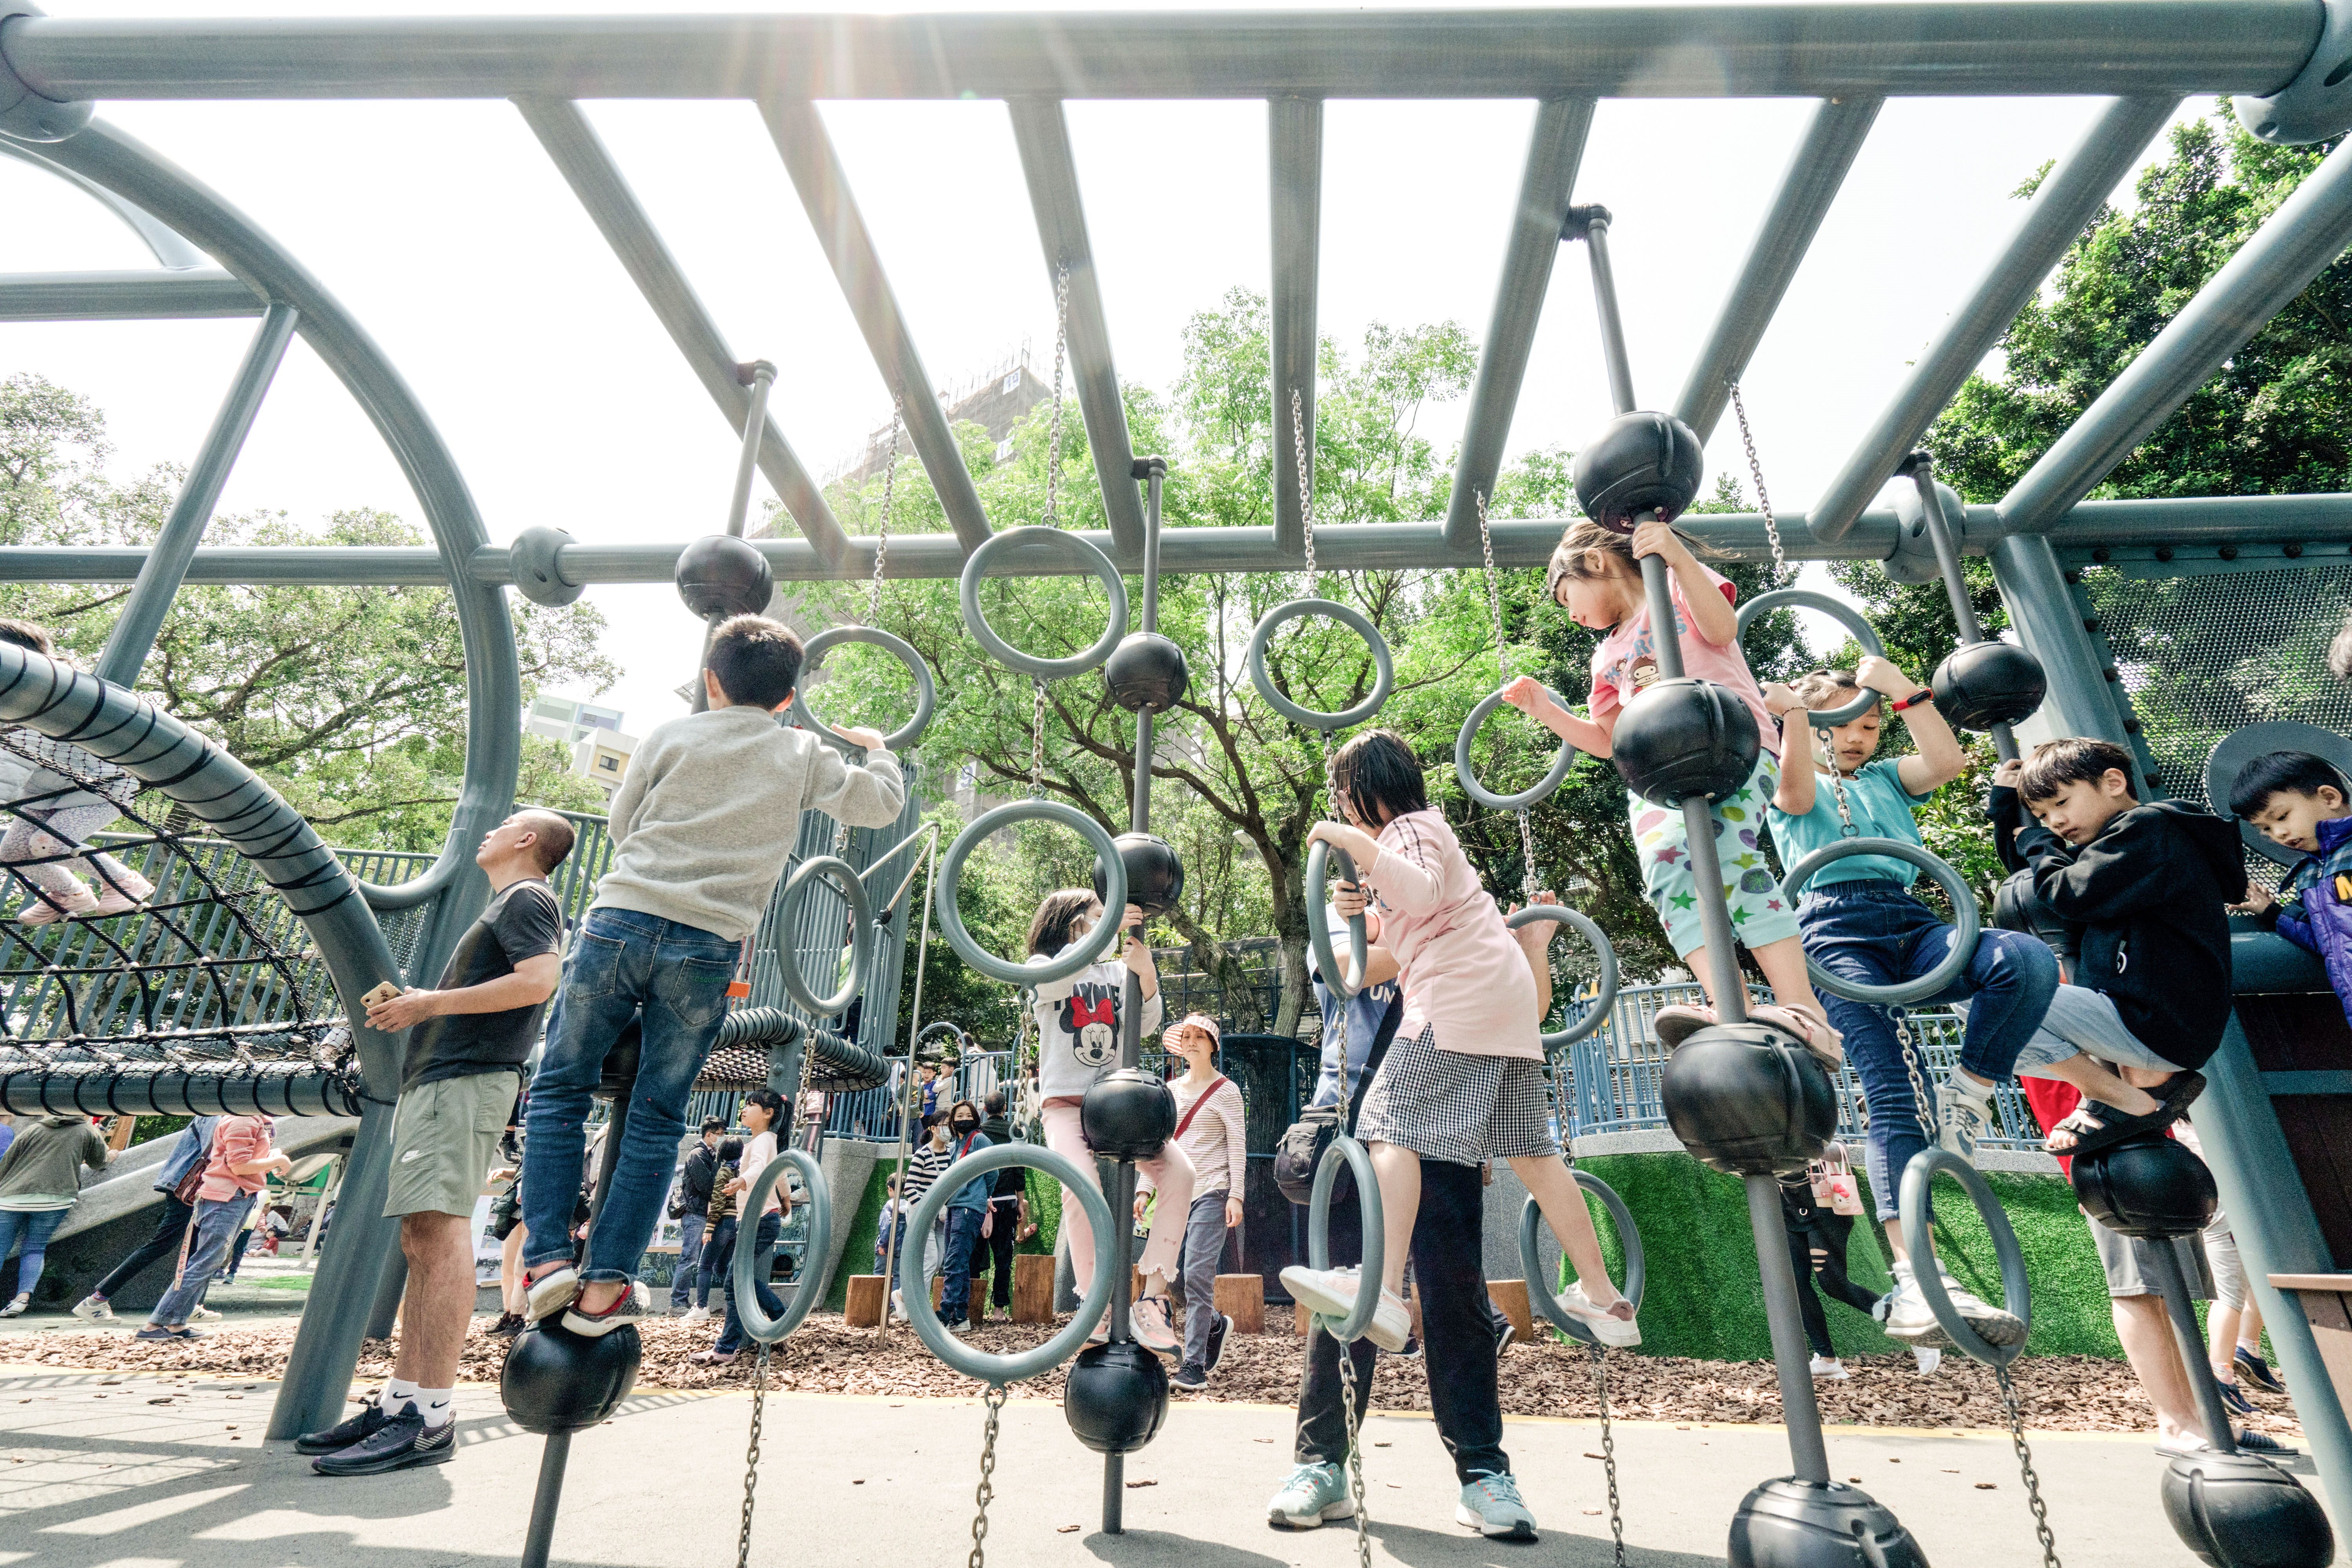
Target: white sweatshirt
[1079,1026]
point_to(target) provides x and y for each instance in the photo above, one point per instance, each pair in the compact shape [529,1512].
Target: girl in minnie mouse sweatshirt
[1077,1042]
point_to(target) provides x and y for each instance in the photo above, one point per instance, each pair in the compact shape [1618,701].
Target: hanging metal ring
[926,694]
[1092,560]
[1838,610]
[1966,923]
[843,875]
[1383,669]
[1344,1150]
[1319,925]
[2015,1290]
[999,1370]
[1059,967]
[1539,1290]
[808,1290]
[1525,798]
[1597,1013]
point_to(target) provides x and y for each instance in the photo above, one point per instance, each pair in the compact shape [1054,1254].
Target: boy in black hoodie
[2148,886]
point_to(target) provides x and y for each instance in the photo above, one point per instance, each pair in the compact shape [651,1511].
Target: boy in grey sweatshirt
[701,830]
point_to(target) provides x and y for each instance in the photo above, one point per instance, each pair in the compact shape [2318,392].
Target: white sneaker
[1963,1116]
[1331,1293]
[1927,1359]
[16,1309]
[1910,1319]
[1828,1366]
[201,1310]
[696,1315]
[1616,1332]
[93,1308]
[898,1309]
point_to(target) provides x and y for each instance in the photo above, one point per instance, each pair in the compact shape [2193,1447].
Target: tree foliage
[351,700]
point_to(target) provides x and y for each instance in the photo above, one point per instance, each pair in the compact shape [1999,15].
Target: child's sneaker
[1910,1318]
[1218,1331]
[633,1305]
[1680,1021]
[1153,1324]
[2253,1369]
[1491,1505]
[548,1293]
[47,909]
[93,1307]
[1963,1116]
[134,890]
[1810,1028]
[1927,1357]
[1191,1377]
[1828,1366]
[1331,1293]
[1313,1494]
[1609,1329]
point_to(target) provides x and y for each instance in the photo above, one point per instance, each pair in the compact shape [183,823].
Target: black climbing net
[148,944]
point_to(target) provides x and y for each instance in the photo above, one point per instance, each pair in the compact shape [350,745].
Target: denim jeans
[171,1229]
[689,1260]
[34,1227]
[1876,932]
[764,1257]
[209,1238]
[1456,1322]
[963,1230]
[621,961]
[718,1257]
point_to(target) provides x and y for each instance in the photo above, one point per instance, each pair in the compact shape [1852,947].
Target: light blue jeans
[217,1224]
[34,1227]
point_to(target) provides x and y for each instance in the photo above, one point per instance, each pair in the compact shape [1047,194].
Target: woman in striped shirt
[1208,1129]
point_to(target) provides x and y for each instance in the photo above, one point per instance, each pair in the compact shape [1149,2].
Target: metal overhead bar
[596,181]
[1546,185]
[169,248]
[2067,200]
[1043,134]
[2308,231]
[807,152]
[143,294]
[2064,46]
[1816,171]
[1295,140]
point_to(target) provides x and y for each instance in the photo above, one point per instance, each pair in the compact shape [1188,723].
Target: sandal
[2180,1091]
[2115,1127]
[1812,1029]
[1681,1020]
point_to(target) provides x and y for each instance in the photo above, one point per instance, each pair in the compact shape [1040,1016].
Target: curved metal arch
[109,160]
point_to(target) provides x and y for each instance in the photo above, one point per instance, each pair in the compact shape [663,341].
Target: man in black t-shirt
[468,1041]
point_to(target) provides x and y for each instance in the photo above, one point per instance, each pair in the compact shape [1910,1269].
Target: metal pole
[2170,1285]
[758,375]
[1798,1408]
[544,1501]
[134,636]
[1920,469]
[2050,624]
[1153,472]
[1295,134]
[1591,225]
[391,1286]
[906,1103]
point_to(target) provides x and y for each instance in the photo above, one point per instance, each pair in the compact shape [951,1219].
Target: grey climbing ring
[845,877]
[1344,1150]
[1840,612]
[1629,1235]
[809,1288]
[1092,559]
[1318,924]
[1059,967]
[1917,1239]
[999,1370]
[1384,671]
[1596,1013]
[1480,793]
[1965,926]
[926,694]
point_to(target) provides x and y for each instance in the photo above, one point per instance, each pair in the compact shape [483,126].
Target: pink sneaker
[47,909]
[134,890]
[1810,1027]
[1680,1021]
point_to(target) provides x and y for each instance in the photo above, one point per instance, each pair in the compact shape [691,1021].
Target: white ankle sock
[435,1405]
[397,1393]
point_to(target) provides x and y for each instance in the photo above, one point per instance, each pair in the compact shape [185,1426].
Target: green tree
[351,700]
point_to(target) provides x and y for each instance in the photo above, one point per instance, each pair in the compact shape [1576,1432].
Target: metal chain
[1347,1386]
[1061,349]
[1837,785]
[1756,468]
[1038,738]
[1608,1448]
[1305,482]
[751,1457]
[2025,1468]
[889,486]
[1528,878]
[994,1402]
[1908,1044]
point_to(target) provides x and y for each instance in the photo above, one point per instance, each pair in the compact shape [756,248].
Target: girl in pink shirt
[1463,1082]
[1594,576]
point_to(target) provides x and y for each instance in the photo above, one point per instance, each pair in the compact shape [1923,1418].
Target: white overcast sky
[448,231]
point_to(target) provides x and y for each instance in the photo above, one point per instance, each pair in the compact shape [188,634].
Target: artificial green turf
[858,1254]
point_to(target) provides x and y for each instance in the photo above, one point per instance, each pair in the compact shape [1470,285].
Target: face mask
[964,1124]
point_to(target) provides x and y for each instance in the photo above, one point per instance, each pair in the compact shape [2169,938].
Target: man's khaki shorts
[445,1142]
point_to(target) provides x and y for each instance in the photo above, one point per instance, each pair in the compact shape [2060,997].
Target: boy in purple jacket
[2300,802]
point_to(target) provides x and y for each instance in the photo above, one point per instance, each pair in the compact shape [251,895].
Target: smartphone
[382,993]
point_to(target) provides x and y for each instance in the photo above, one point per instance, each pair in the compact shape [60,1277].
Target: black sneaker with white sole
[400,1442]
[1189,1376]
[1504,1332]
[341,1436]
[1217,1332]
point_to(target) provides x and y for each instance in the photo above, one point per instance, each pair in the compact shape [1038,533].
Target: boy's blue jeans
[621,962]
[1874,931]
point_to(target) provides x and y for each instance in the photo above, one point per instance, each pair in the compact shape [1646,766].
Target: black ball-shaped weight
[1128,1115]
[1155,873]
[2151,1186]
[1790,1523]
[1987,683]
[2235,1511]
[721,575]
[556,1381]
[1641,462]
[1683,737]
[1747,1099]
[1116,1398]
[1146,673]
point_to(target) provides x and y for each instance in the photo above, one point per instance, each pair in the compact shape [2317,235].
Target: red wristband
[1924,694]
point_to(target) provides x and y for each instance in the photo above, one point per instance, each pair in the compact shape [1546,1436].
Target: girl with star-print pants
[1760,915]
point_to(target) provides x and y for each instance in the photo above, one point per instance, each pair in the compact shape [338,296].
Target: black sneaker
[509,1325]
[401,1441]
[1503,1332]
[2235,1398]
[1191,1375]
[334,1439]
[1217,1332]
[2253,1369]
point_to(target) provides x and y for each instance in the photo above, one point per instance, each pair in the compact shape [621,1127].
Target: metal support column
[2047,622]
[159,578]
